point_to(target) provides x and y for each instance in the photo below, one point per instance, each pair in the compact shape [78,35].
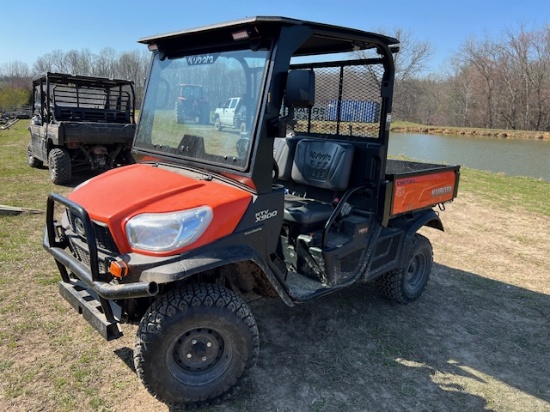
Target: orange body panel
[116,196]
[242,179]
[417,192]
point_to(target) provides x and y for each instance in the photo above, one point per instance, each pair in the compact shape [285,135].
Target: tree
[105,62]
[13,98]
[410,64]
[503,83]
[14,85]
[108,63]
[460,97]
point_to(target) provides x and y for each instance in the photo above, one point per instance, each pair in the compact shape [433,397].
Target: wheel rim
[416,273]
[199,356]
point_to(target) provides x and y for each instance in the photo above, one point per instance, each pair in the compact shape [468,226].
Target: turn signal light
[118,268]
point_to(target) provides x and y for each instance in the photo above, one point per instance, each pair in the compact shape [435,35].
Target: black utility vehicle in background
[81,123]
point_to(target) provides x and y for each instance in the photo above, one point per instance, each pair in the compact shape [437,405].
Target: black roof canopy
[325,38]
[89,81]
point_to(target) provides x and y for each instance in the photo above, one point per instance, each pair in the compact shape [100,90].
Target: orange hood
[116,196]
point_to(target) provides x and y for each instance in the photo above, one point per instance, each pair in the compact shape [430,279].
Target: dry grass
[478,339]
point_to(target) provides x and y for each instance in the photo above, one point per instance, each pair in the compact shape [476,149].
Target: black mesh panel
[347,102]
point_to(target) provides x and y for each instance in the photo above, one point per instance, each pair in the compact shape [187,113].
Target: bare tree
[43,64]
[16,74]
[483,57]
[494,83]
[530,52]
[410,65]
[105,62]
[504,83]
[14,80]
[460,96]
[413,56]
[78,62]
[133,66]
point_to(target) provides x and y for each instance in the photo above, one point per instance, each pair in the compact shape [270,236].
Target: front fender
[188,265]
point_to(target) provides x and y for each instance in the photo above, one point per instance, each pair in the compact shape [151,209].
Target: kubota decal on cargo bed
[422,191]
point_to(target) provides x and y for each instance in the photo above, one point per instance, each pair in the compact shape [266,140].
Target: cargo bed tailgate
[414,186]
[95,132]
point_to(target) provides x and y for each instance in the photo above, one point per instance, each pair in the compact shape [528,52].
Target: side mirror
[300,88]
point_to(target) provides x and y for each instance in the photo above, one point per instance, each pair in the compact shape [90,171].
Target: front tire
[195,345]
[180,112]
[59,163]
[32,160]
[408,284]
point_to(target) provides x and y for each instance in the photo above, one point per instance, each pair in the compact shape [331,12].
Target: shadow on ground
[469,343]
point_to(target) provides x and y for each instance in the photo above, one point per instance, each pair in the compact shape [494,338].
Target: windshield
[202,107]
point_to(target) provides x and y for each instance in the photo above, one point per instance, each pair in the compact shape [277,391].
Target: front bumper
[81,285]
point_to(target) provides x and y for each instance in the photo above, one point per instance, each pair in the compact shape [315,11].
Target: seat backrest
[323,163]
[192,146]
[283,153]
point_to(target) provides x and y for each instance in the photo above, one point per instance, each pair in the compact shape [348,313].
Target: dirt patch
[478,339]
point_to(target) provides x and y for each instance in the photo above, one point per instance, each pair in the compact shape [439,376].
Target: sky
[31,29]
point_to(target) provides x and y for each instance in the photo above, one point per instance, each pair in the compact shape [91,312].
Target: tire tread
[390,285]
[178,301]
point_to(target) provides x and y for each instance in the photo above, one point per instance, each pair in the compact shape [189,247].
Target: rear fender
[429,218]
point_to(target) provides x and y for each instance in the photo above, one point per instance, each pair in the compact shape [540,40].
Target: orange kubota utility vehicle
[300,204]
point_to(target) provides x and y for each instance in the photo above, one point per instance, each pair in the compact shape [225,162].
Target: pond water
[512,157]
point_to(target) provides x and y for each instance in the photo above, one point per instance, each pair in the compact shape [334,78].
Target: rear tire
[218,124]
[195,345]
[180,112]
[408,284]
[59,163]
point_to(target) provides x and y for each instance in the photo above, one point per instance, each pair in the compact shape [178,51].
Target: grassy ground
[478,339]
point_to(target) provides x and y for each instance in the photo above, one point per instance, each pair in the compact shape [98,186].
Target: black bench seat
[313,163]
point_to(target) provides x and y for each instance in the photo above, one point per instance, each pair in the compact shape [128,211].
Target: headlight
[163,232]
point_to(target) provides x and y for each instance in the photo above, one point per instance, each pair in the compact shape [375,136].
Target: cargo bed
[415,185]
[93,132]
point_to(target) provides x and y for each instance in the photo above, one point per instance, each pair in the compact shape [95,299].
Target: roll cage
[283,41]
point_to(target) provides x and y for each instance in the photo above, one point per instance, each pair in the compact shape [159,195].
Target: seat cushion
[306,212]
